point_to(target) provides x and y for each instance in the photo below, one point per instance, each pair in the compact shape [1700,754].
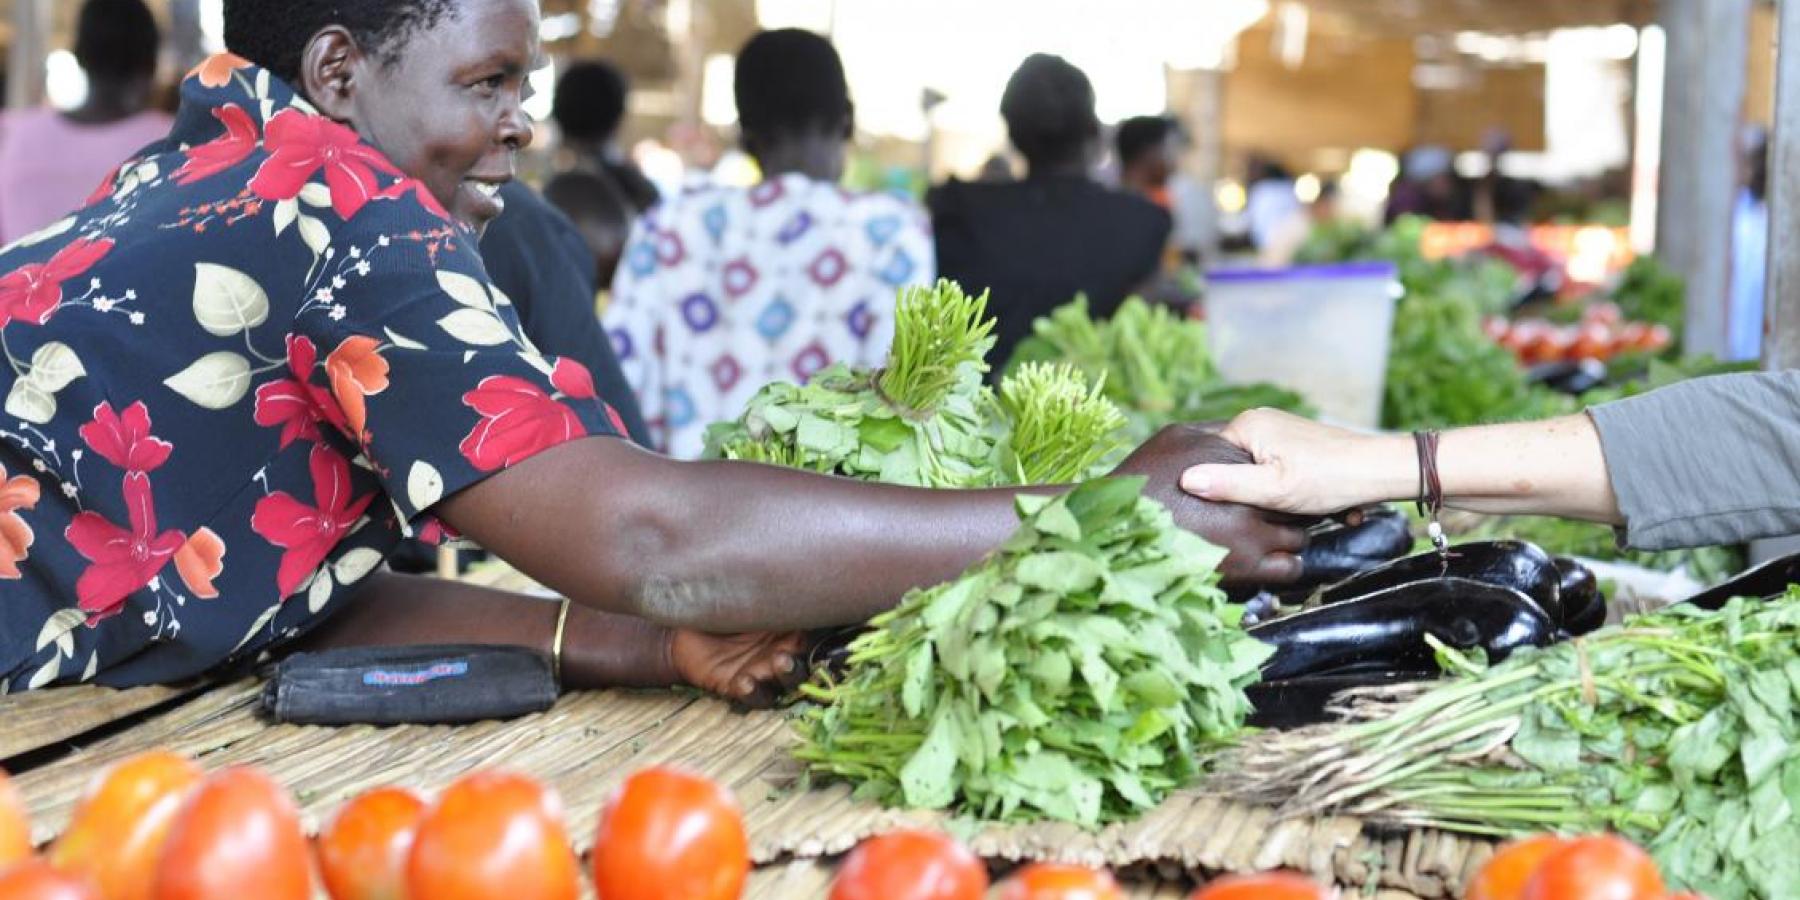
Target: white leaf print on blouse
[33,397]
[214,381]
[473,326]
[424,485]
[227,301]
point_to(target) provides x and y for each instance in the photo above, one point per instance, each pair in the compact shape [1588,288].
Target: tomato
[1265,886]
[493,835]
[911,865]
[1504,875]
[1658,338]
[1686,895]
[37,879]
[1608,314]
[1601,867]
[1633,335]
[122,821]
[15,825]
[363,852]
[1496,328]
[238,835]
[1593,341]
[670,834]
[1059,881]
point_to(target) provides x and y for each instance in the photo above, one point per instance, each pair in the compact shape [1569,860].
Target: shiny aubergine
[1385,631]
[1306,701]
[1508,564]
[1343,551]
[1767,580]
[1584,606]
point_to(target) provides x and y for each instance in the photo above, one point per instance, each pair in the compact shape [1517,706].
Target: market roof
[1413,17]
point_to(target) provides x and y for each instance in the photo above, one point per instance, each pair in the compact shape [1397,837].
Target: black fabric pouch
[426,685]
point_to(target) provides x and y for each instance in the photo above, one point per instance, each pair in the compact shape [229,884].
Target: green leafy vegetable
[1074,674]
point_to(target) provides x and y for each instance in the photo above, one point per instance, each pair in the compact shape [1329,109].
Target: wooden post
[1781,305]
[30,47]
[1703,99]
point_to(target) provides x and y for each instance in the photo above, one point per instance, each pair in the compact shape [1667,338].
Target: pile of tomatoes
[1601,335]
[1549,867]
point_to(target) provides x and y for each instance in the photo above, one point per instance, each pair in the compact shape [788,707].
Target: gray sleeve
[1709,461]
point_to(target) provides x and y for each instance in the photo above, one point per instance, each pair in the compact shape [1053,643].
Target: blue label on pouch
[389,678]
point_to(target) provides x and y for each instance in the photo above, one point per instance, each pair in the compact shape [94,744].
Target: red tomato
[493,835]
[1607,314]
[362,853]
[1592,341]
[1687,895]
[1496,328]
[1600,867]
[670,834]
[1523,335]
[122,821]
[15,824]
[1265,886]
[1058,881]
[911,865]
[1504,875]
[1658,338]
[238,835]
[1633,335]
[36,879]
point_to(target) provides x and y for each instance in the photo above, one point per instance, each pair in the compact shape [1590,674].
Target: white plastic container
[1321,331]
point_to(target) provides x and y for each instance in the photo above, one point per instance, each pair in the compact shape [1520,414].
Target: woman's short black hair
[1049,110]
[790,81]
[1140,135]
[274,33]
[117,39]
[590,101]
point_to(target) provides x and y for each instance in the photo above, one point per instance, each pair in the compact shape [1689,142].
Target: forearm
[599,649]
[1550,468]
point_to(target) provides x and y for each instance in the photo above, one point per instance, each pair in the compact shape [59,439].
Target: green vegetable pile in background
[1074,674]
[927,419]
[1152,362]
[1680,729]
[1652,292]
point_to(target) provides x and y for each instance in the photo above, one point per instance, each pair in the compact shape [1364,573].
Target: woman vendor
[266,349]
[1709,461]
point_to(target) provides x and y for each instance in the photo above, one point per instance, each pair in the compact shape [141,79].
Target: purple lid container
[1305,273]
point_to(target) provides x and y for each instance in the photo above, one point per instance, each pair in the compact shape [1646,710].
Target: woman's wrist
[606,650]
[1388,466]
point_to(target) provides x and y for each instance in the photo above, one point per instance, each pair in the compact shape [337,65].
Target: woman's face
[447,110]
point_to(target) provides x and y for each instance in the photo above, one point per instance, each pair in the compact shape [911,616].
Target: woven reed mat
[38,719]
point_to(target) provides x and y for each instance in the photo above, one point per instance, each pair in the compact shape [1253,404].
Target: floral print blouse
[234,381]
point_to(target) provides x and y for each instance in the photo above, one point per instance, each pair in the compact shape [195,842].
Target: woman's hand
[1306,468]
[1264,548]
[754,668]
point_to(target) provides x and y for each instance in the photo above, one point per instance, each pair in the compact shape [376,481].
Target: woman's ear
[328,72]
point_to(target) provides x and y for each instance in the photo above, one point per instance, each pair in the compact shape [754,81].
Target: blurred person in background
[1038,242]
[590,105]
[1749,247]
[1149,151]
[1427,186]
[724,289]
[50,161]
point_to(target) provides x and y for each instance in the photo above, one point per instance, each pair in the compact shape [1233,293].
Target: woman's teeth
[484,188]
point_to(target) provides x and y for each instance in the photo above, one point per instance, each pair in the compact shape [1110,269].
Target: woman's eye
[491,83]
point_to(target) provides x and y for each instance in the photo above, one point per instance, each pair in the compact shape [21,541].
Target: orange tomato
[36,879]
[237,836]
[362,853]
[1265,886]
[1687,895]
[1059,881]
[122,821]
[1504,875]
[670,834]
[911,865]
[493,834]
[15,824]
[1593,341]
[1600,867]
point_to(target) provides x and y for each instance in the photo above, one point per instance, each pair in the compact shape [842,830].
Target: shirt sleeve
[425,368]
[1709,461]
[631,322]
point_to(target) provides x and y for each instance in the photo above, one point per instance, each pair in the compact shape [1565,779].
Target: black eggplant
[1385,630]
[1341,551]
[1509,564]
[1767,580]
[1584,606]
[1302,701]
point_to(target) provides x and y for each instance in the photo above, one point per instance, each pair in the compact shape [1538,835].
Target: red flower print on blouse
[416,187]
[295,405]
[357,371]
[300,144]
[125,440]
[518,419]
[20,492]
[229,149]
[576,382]
[31,293]
[216,70]
[104,189]
[308,533]
[121,560]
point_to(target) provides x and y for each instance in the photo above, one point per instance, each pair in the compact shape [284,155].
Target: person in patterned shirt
[265,350]
[725,289]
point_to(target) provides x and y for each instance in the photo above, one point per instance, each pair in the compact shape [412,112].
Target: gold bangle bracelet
[556,641]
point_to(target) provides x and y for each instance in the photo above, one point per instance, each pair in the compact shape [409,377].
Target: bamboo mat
[38,719]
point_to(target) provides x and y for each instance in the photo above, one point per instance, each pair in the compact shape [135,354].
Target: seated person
[235,382]
[725,289]
[1038,242]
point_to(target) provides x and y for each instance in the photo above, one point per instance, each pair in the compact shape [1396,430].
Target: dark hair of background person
[274,33]
[1140,135]
[590,102]
[600,210]
[1049,111]
[790,83]
[117,40]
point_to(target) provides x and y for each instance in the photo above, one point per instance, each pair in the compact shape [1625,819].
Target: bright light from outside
[1307,188]
[559,27]
[542,84]
[812,15]
[1231,196]
[64,81]
[212,25]
[718,104]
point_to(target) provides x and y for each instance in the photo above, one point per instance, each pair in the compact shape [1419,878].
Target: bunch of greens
[1152,362]
[1074,674]
[1651,292]
[1679,729]
[927,419]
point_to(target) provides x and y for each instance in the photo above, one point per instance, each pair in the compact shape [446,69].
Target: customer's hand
[1303,467]
[754,669]
[1263,547]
